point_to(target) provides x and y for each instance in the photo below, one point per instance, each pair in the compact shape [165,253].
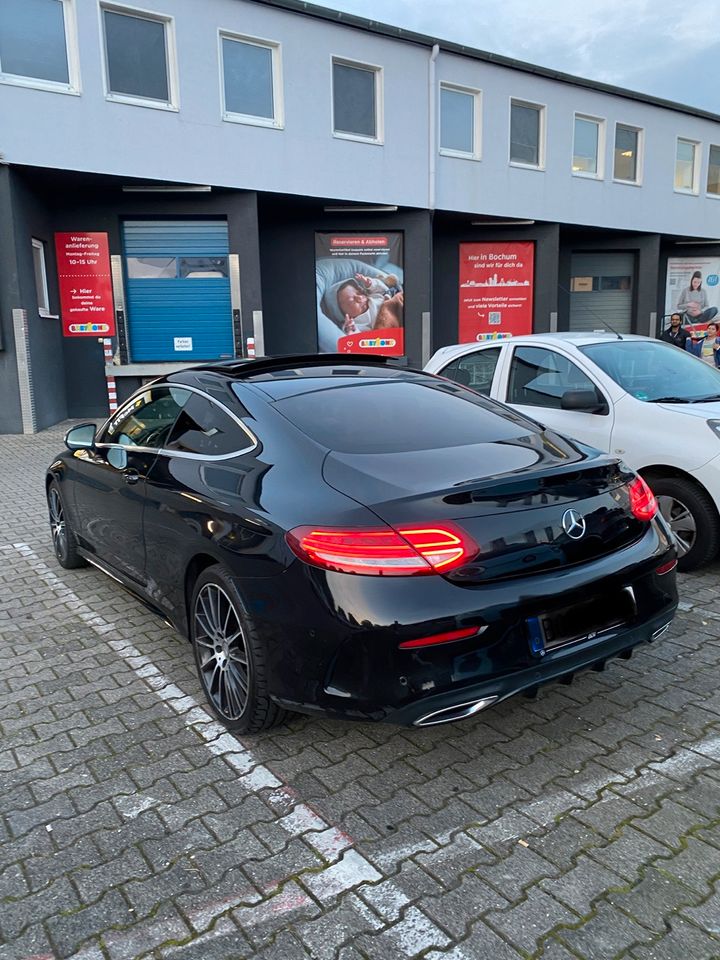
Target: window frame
[640,158]
[694,190]
[708,192]
[172,105]
[163,451]
[542,134]
[377,70]
[73,87]
[600,391]
[476,153]
[601,123]
[278,120]
[476,353]
[41,278]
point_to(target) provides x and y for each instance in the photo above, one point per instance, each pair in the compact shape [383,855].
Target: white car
[648,402]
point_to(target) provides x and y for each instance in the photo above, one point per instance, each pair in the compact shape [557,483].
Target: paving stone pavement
[583,824]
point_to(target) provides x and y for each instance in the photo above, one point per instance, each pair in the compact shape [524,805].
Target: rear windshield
[400,416]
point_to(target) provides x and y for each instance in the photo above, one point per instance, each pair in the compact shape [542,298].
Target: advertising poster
[496,290]
[86,300]
[360,293]
[692,288]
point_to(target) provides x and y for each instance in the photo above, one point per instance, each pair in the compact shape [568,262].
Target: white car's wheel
[692,517]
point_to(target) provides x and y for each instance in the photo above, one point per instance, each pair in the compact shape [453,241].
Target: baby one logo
[377,343]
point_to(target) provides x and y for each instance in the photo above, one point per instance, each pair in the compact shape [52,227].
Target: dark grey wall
[25,216]
[287,253]
[10,412]
[645,247]
[450,233]
[103,208]
[68,372]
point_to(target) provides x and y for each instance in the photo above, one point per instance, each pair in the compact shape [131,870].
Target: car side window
[146,420]
[539,377]
[204,429]
[475,370]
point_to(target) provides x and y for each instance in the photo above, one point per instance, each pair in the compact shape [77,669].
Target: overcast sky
[668,48]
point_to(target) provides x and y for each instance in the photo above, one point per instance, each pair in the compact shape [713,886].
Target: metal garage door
[178,290]
[601,291]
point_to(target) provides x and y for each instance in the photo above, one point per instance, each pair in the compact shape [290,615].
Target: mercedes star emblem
[573,523]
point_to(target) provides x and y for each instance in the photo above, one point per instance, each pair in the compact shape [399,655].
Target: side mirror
[583,400]
[81,437]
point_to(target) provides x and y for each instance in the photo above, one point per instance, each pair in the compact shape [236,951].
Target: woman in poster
[693,302]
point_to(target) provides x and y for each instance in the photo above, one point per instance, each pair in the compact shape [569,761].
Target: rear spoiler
[249,368]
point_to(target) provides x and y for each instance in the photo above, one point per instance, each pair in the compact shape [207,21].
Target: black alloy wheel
[229,656]
[64,542]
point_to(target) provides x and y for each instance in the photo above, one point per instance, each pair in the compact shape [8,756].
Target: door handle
[131,476]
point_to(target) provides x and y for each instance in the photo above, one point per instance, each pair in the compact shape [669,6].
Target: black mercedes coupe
[343,536]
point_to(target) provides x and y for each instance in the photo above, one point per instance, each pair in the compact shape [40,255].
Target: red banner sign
[496,290]
[86,301]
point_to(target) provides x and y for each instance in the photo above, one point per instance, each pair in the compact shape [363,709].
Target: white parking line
[346,868]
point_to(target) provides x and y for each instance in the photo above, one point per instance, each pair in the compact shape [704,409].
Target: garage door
[601,291]
[178,290]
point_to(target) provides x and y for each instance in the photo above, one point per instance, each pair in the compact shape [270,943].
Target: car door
[110,481]
[195,501]
[543,383]
[476,369]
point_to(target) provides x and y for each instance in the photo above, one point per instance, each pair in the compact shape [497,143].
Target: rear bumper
[556,667]
[333,640]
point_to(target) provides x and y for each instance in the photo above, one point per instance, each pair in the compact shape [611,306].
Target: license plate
[583,620]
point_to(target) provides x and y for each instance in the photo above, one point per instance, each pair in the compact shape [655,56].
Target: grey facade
[69,155]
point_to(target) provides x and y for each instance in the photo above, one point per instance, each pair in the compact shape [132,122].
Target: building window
[713,179]
[627,154]
[588,147]
[252,87]
[459,121]
[527,134]
[38,45]
[687,156]
[139,58]
[357,101]
[41,288]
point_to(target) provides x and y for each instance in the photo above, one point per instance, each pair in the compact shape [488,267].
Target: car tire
[693,518]
[229,655]
[63,536]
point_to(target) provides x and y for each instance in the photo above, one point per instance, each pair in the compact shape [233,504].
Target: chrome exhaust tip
[659,632]
[460,711]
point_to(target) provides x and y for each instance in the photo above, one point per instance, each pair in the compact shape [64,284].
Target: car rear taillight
[402,552]
[642,500]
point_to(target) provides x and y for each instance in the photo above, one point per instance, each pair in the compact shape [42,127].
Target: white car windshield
[654,371]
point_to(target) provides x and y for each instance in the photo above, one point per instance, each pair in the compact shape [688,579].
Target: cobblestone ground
[584,824]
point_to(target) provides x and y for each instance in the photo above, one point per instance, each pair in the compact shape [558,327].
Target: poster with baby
[360,293]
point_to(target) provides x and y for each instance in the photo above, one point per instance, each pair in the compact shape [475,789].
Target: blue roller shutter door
[178,290]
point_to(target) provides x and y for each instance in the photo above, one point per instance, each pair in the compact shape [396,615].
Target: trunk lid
[512,496]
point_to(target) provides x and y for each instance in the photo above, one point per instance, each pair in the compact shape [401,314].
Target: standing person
[675,333]
[710,345]
[707,349]
[693,302]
